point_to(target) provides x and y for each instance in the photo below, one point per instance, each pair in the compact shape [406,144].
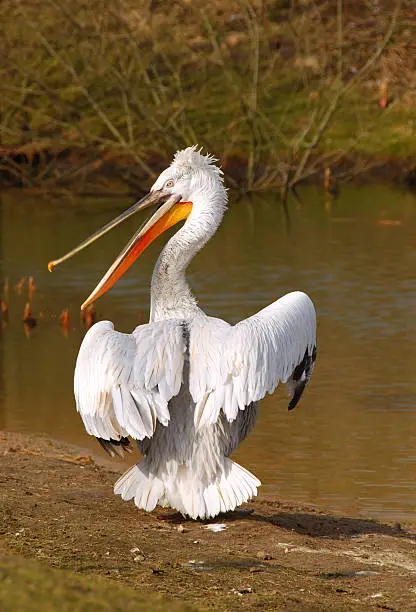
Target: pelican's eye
[170,183]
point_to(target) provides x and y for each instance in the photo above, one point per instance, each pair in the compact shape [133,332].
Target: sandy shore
[57,510]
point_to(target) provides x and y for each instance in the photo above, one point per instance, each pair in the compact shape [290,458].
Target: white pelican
[186,385]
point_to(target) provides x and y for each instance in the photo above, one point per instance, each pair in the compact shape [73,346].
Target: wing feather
[123,382]
[244,362]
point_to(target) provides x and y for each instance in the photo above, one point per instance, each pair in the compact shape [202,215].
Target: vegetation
[105,90]
[29,586]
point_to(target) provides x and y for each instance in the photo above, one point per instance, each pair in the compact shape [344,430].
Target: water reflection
[351,443]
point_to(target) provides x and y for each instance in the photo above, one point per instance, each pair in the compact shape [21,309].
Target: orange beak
[152,198]
[167,215]
[170,211]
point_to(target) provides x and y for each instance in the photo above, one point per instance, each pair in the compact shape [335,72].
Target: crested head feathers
[191,158]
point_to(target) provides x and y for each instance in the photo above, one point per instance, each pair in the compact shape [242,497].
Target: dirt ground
[57,510]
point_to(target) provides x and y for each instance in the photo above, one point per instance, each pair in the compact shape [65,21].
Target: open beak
[152,198]
[169,212]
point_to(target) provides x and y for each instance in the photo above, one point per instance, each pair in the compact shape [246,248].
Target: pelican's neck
[171,296]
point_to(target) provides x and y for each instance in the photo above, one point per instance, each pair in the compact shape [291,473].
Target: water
[350,445]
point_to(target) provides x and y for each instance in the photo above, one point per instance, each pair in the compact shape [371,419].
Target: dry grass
[280,88]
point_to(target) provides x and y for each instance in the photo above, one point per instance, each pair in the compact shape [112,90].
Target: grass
[29,586]
[279,89]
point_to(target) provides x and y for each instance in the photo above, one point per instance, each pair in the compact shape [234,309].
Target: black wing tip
[116,448]
[303,368]
[300,387]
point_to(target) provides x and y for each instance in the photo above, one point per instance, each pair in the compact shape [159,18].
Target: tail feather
[126,485]
[234,486]
[213,501]
[137,482]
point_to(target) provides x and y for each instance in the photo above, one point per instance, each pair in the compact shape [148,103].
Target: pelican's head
[190,174]
[192,185]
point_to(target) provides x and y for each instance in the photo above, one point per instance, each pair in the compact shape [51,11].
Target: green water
[350,445]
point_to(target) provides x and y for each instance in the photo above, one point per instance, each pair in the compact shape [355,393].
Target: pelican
[186,386]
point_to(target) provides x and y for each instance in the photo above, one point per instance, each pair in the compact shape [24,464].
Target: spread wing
[244,362]
[123,382]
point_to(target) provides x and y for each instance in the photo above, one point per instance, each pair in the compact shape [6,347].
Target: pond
[350,445]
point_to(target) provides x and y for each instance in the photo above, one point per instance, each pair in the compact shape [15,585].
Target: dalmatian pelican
[186,386]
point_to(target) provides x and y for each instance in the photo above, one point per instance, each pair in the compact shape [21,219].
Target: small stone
[263,556]
[182,529]
[246,590]
[242,591]
[138,555]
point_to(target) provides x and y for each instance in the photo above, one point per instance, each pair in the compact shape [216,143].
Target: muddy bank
[57,510]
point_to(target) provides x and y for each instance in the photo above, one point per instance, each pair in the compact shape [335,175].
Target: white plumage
[185,385]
